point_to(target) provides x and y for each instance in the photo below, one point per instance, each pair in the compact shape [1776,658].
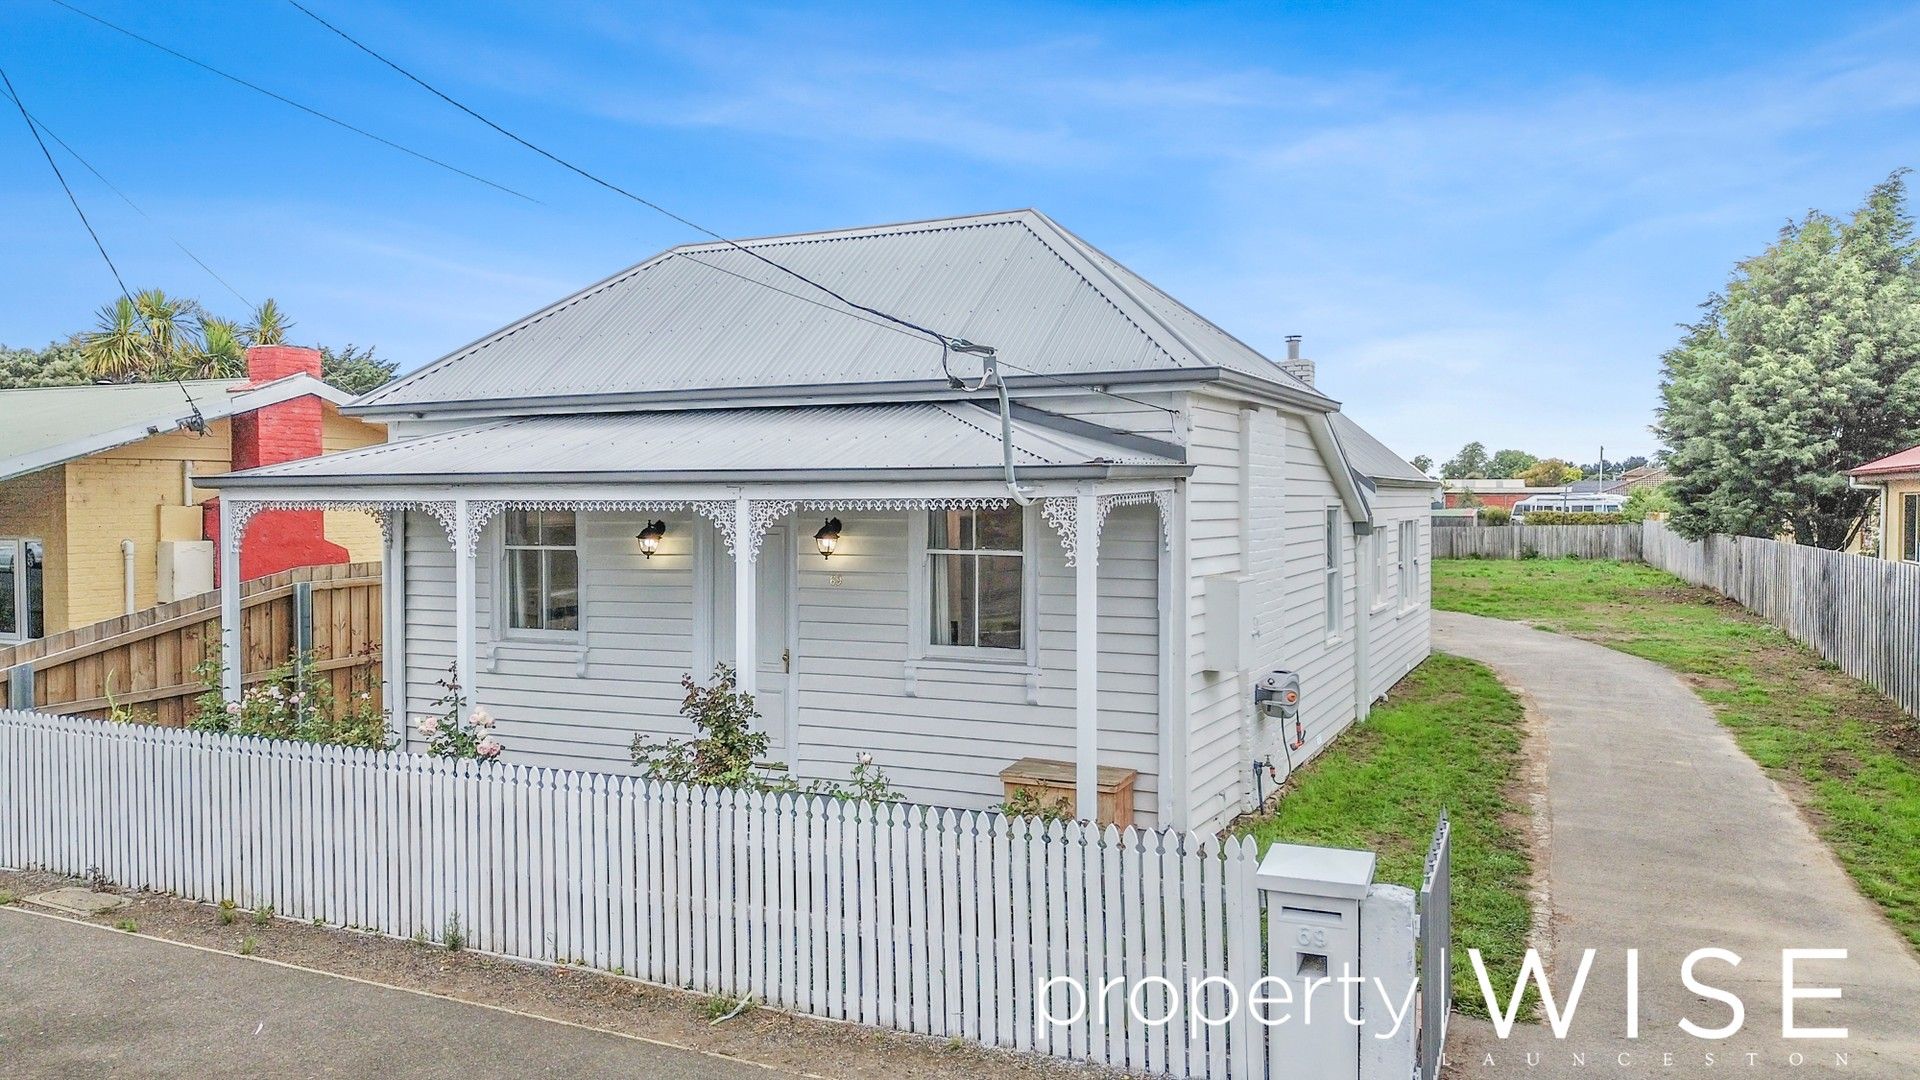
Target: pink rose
[487,748]
[481,718]
[429,726]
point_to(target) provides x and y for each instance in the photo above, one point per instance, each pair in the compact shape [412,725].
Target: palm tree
[147,337]
[217,355]
[269,327]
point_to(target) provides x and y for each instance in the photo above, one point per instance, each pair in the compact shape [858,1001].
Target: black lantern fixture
[828,538]
[650,538]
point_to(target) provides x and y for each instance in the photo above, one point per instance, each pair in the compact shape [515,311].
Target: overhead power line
[284,100]
[198,422]
[945,341]
[97,175]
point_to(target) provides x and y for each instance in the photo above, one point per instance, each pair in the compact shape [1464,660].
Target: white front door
[773,575]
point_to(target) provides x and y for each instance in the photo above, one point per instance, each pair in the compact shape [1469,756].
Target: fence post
[1390,1014]
[20,687]
[302,632]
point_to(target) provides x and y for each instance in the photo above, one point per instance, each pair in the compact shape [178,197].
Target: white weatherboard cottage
[1186,515]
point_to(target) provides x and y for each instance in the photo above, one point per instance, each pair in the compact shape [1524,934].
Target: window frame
[1409,565]
[504,629]
[1336,587]
[23,621]
[1377,548]
[920,644]
[1910,526]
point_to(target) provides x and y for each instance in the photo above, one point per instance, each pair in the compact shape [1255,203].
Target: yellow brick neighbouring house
[84,469]
[1897,478]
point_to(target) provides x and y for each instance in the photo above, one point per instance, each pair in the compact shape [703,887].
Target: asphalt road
[1667,838]
[84,1000]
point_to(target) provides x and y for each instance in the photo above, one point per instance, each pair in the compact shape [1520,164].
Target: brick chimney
[1294,364]
[288,431]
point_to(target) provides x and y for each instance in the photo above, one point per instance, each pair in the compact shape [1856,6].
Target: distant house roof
[880,442]
[711,319]
[1906,461]
[46,426]
[1372,459]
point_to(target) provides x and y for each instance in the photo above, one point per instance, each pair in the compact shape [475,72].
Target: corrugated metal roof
[1907,460]
[730,442]
[45,426]
[708,316]
[1370,457]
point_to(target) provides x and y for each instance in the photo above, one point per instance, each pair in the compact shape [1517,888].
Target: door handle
[786,660]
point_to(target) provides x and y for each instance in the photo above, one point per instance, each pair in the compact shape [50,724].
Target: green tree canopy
[1550,472]
[155,336]
[1470,463]
[1809,364]
[1422,462]
[1508,464]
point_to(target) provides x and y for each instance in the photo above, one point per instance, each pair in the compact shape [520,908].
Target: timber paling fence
[942,922]
[1860,613]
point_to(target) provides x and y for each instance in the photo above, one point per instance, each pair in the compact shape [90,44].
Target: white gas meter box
[1314,896]
[1229,622]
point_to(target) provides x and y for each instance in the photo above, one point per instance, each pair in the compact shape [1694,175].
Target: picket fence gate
[942,922]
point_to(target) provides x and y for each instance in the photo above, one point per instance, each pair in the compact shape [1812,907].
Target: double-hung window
[977,590]
[23,613]
[1409,563]
[1334,586]
[543,571]
[1377,546]
[1910,527]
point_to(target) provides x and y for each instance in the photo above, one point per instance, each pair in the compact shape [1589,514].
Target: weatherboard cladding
[899,436]
[710,316]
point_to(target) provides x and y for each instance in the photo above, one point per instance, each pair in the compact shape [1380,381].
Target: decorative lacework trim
[239,513]
[1061,512]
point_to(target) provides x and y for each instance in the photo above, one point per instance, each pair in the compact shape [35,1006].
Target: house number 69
[1313,937]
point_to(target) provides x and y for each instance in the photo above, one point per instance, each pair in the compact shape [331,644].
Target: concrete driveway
[1667,838]
[83,1000]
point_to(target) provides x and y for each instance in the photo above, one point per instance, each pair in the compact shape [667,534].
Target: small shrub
[1025,803]
[287,706]
[1562,517]
[228,912]
[247,945]
[727,750]
[420,939]
[449,734]
[1496,515]
[319,920]
[452,936]
[6,898]
[263,915]
[127,925]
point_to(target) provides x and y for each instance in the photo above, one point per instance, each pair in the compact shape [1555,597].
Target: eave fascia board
[1320,430]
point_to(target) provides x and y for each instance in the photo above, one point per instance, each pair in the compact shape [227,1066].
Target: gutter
[255,479]
[1351,493]
[853,393]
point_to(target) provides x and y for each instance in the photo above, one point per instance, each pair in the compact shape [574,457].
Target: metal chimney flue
[1294,365]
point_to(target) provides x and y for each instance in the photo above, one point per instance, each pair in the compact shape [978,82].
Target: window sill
[1018,666]
[559,646]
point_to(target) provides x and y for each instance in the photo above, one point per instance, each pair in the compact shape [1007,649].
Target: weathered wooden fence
[146,661]
[1861,613]
[1616,542]
[949,923]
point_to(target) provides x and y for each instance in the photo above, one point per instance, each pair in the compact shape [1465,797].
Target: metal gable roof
[44,426]
[711,317]
[714,444]
[1371,458]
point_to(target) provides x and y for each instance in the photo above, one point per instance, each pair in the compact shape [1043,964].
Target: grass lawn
[1450,738]
[1844,753]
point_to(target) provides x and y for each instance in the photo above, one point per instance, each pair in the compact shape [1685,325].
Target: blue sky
[1486,220]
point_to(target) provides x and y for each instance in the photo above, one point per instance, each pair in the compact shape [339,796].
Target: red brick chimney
[281,539]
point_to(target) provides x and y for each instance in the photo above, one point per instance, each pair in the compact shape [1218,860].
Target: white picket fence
[935,921]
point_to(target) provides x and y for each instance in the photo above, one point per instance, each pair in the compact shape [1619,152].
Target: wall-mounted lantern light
[650,538]
[828,538]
